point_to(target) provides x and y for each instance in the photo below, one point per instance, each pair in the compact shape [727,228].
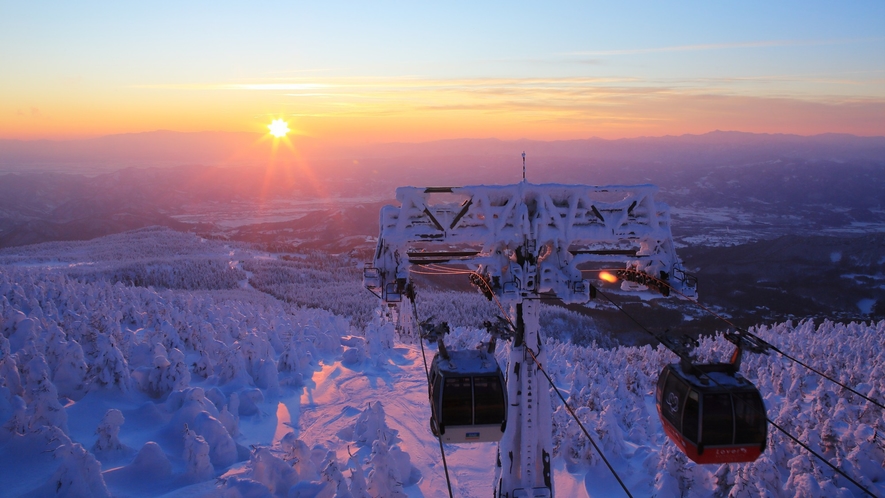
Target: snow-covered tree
[272,472]
[196,456]
[151,463]
[358,485]
[723,480]
[384,479]
[70,372]
[222,449]
[336,480]
[169,372]
[109,368]
[42,398]
[108,445]
[78,475]
[372,425]
[9,374]
[298,454]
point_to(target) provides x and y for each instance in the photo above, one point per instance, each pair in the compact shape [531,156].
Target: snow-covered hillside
[158,363]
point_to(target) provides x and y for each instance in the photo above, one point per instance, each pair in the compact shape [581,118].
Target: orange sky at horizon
[359,73]
[416,111]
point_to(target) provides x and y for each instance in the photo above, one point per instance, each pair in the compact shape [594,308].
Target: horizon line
[332,140]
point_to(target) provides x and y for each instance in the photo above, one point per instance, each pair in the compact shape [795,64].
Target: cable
[445,271]
[567,407]
[442,450]
[558,392]
[742,330]
[660,339]
[442,271]
[769,345]
[649,332]
[820,457]
[818,372]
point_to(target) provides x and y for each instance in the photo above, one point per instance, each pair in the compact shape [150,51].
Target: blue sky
[66,58]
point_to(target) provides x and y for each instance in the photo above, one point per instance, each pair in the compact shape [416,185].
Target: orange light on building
[608,277]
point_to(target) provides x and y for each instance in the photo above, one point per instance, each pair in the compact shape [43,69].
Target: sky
[366,72]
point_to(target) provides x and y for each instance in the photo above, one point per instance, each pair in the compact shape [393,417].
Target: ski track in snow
[341,393]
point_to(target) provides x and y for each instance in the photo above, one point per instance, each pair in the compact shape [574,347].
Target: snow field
[206,389]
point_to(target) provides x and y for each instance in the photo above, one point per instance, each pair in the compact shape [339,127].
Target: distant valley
[775,227]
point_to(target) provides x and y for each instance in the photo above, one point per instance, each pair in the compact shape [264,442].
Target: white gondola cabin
[469,397]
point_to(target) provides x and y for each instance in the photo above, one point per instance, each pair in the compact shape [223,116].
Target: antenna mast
[523,165]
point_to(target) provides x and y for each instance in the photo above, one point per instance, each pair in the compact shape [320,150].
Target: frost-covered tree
[169,372]
[802,481]
[157,378]
[229,415]
[9,374]
[336,480]
[196,456]
[25,330]
[670,478]
[231,367]
[384,479]
[78,475]
[108,445]
[723,480]
[355,350]
[42,398]
[151,463]
[222,449]
[18,420]
[109,368]
[298,454]
[358,485]
[272,472]
[867,458]
[164,333]
[766,476]
[297,359]
[372,425]
[70,372]
[204,366]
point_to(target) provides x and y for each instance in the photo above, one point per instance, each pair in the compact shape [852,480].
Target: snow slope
[196,386]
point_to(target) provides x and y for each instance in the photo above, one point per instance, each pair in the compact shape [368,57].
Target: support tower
[526,242]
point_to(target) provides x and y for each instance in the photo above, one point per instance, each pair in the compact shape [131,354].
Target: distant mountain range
[773,224]
[168,148]
[725,187]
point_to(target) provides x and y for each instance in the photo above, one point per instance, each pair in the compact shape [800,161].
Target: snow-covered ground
[145,364]
[241,213]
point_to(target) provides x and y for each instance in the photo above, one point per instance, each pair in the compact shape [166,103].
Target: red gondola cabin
[712,413]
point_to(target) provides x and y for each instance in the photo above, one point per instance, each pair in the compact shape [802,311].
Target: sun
[278,128]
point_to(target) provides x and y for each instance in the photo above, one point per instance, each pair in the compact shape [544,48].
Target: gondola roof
[715,375]
[468,362]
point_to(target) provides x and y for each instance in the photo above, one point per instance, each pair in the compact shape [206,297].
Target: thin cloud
[389,83]
[377,97]
[720,46]
[237,86]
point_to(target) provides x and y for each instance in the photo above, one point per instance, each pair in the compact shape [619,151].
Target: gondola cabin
[714,417]
[469,398]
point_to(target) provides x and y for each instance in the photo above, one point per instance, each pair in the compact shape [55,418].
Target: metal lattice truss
[496,229]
